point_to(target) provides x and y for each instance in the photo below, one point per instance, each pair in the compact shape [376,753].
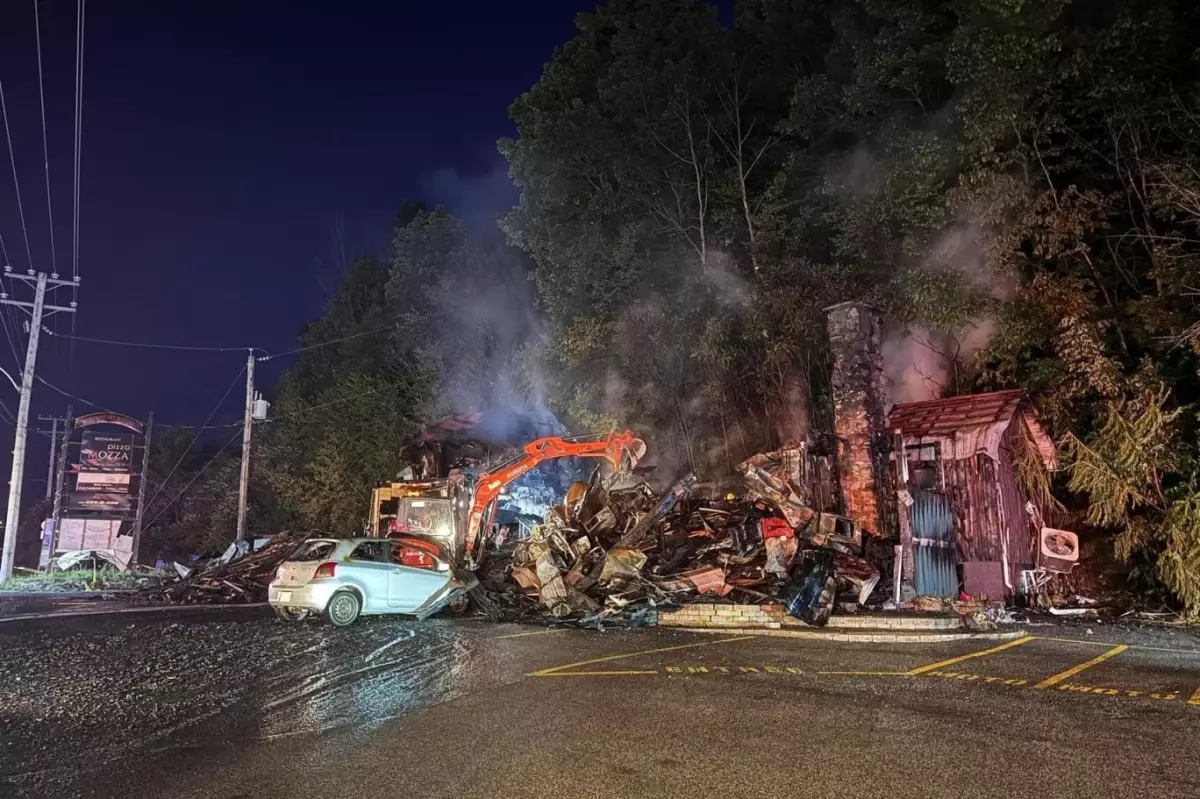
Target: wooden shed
[963,468]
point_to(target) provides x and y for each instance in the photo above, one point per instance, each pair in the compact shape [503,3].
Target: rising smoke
[923,362]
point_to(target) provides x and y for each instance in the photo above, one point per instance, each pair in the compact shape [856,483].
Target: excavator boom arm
[615,448]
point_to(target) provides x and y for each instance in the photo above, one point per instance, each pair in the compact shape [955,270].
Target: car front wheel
[343,609]
[458,606]
[291,614]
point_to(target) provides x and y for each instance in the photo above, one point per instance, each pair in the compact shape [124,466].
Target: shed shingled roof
[972,422]
[943,417]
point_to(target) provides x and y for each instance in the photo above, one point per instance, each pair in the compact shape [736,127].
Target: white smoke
[921,364]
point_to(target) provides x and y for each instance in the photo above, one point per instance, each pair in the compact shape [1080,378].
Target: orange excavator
[456,511]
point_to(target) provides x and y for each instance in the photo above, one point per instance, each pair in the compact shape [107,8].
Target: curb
[863,637]
[67,594]
[119,611]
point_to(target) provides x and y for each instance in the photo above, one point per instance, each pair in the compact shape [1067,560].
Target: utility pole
[54,420]
[141,495]
[39,281]
[247,423]
[60,480]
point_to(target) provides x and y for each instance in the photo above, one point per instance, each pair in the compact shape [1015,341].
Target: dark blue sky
[221,142]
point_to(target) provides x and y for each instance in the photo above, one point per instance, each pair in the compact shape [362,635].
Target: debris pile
[238,575]
[616,551]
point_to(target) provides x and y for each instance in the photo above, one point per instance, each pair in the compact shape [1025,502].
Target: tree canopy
[1012,182]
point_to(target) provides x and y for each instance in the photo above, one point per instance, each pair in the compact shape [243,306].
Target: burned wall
[860,405]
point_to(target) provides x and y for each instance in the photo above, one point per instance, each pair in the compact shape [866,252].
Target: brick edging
[772,615]
[879,637]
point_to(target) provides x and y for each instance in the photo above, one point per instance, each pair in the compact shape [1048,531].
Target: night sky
[222,143]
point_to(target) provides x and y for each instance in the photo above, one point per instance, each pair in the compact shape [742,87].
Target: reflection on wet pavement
[77,702]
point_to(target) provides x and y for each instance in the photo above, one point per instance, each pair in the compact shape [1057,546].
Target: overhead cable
[12,159]
[195,477]
[37,27]
[149,346]
[324,343]
[196,438]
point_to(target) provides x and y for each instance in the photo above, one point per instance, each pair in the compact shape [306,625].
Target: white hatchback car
[348,577]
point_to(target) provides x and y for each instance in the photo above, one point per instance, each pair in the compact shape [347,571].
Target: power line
[189,348]
[195,477]
[69,395]
[228,426]
[37,26]
[310,409]
[323,344]
[5,318]
[197,437]
[91,404]
[80,18]
[16,183]
[7,314]
[147,346]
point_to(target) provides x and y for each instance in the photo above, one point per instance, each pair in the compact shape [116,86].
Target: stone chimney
[860,400]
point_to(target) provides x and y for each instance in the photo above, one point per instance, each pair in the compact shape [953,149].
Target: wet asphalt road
[251,707]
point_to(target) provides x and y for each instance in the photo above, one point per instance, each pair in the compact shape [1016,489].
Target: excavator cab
[430,510]
[457,512]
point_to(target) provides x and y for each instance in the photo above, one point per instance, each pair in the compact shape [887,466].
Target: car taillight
[324,570]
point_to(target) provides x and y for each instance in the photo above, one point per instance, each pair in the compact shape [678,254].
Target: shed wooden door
[932,517]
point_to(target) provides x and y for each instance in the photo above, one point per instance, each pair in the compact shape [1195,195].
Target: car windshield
[313,550]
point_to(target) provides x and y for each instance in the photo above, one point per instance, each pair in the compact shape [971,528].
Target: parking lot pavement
[1080,667]
[261,708]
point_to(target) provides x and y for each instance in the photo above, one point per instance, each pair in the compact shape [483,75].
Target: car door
[371,563]
[409,587]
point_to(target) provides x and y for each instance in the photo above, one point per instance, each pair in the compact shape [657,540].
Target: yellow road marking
[866,673]
[984,653]
[1110,643]
[590,673]
[536,632]
[1071,672]
[554,670]
[1195,700]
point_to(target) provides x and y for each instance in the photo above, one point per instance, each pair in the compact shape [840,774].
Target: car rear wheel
[343,609]
[291,614]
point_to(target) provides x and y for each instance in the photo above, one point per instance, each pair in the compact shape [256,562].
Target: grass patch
[73,580]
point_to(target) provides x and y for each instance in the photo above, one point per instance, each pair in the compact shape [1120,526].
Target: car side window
[372,552]
[407,555]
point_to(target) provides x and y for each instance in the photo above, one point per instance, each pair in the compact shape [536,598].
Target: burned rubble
[616,551]
[238,575]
